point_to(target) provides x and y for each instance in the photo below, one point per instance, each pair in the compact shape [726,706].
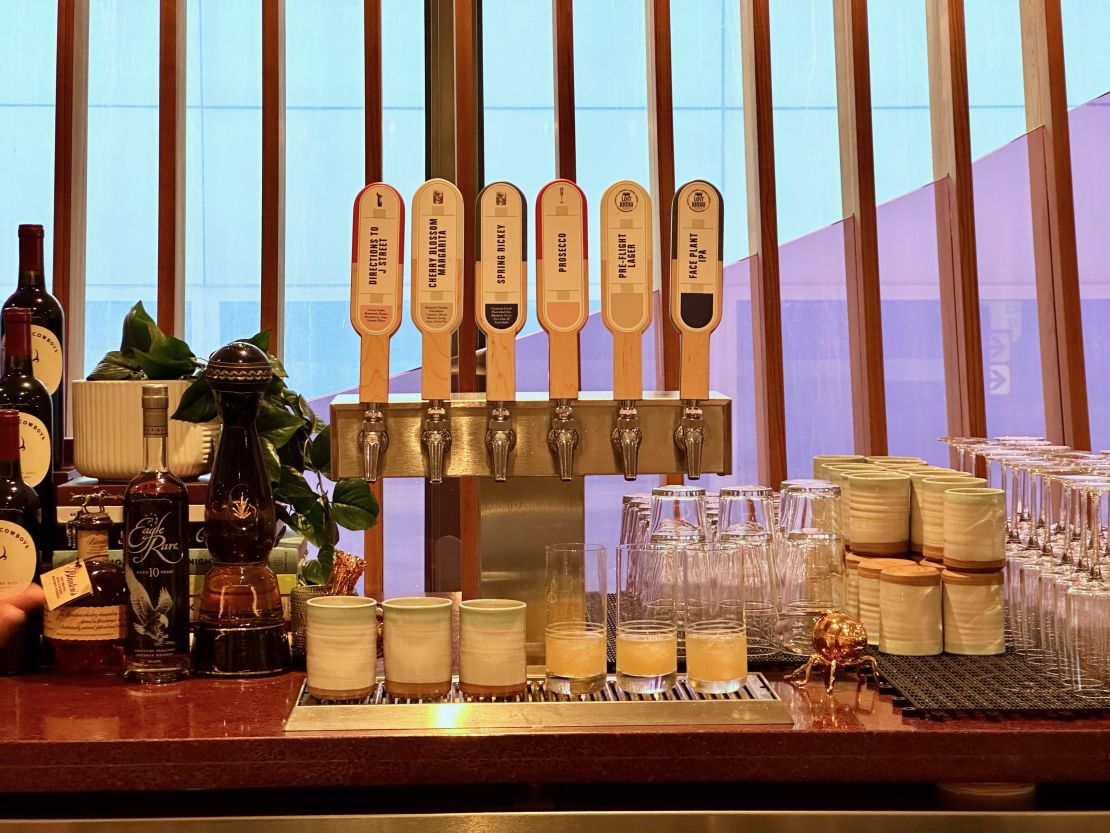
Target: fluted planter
[108,431]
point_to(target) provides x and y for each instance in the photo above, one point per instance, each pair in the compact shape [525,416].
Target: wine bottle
[19,389]
[48,328]
[156,556]
[21,537]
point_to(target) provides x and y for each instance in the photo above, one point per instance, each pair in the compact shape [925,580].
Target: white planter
[108,431]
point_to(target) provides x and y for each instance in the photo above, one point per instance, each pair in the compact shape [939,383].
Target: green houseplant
[296,444]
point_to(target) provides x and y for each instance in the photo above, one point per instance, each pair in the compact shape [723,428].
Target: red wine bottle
[19,389]
[21,537]
[48,328]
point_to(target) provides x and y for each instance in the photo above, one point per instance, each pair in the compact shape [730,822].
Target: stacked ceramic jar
[925,554]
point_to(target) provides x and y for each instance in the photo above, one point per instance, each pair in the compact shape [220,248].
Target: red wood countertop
[58,735]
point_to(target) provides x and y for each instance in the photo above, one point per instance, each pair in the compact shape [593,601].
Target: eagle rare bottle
[156,556]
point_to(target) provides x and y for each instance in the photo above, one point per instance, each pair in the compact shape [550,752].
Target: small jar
[910,611]
[493,661]
[932,510]
[975,528]
[880,512]
[916,476]
[973,613]
[869,571]
[851,594]
[342,656]
[822,460]
[417,636]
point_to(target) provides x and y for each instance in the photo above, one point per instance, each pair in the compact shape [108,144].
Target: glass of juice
[716,632]
[647,621]
[576,601]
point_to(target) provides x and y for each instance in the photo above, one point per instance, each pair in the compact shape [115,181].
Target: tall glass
[716,634]
[678,513]
[747,520]
[648,579]
[576,599]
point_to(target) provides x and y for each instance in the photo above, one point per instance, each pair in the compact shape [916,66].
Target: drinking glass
[716,638]
[678,514]
[576,601]
[648,579]
[747,520]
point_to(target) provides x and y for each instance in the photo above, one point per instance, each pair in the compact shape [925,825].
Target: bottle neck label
[92,543]
[18,557]
[46,357]
[34,449]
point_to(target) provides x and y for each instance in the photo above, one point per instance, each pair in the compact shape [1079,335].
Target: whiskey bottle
[20,389]
[86,636]
[48,327]
[156,556]
[21,535]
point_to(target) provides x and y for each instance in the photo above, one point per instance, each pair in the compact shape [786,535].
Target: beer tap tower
[531,462]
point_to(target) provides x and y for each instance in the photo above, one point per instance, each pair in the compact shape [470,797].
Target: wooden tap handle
[697,280]
[501,299]
[626,280]
[437,249]
[562,289]
[377,283]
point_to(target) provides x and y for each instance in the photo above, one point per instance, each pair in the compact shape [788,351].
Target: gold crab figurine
[839,641]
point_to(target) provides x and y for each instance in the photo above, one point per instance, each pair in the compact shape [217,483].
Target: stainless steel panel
[468,414]
[756,702]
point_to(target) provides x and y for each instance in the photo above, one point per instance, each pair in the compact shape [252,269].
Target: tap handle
[501,440]
[374,441]
[627,437]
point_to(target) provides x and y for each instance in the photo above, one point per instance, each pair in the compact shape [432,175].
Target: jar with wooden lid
[910,611]
[975,528]
[880,512]
[932,510]
[974,619]
[868,573]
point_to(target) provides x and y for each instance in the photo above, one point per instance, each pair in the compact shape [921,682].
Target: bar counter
[62,736]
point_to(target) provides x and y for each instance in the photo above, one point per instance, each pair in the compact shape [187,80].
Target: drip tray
[756,702]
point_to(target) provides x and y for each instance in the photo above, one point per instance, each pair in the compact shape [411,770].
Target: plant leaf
[277,424]
[278,367]
[313,572]
[319,453]
[198,403]
[353,505]
[167,357]
[115,366]
[294,490]
[138,330]
[260,340]
[270,458]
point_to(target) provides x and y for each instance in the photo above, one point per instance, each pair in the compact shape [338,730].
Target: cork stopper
[912,574]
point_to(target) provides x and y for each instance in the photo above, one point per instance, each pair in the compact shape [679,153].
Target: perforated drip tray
[756,702]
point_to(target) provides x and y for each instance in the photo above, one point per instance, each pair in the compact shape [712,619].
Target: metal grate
[756,702]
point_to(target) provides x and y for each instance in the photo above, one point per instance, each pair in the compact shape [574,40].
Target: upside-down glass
[812,573]
[716,639]
[648,582]
[576,602]
[747,520]
[678,513]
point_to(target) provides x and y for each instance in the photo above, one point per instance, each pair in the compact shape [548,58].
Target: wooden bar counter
[63,736]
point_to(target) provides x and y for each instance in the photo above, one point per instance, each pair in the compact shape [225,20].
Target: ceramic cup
[820,461]
[932,491]
[880,512]
[417,637]
[342,642]
[492,657]
[975,528]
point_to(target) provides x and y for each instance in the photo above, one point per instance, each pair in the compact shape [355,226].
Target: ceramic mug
[417,636]
[342,647]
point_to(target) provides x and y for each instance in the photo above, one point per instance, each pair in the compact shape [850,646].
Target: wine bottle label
[34,449]
[46,354]
[17,557]
[157,571]
[86,624]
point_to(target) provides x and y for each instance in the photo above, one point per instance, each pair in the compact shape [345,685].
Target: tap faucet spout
[690,437]
[436,439]
[500,440]
[373,440]
[563,437]
[627,437]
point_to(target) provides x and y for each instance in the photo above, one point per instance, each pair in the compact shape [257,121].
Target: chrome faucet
[627,437]
[500,440]
[373,440]
[436,439]
[690,436]
[563,437]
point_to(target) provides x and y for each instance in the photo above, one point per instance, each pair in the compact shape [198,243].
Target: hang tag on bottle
[66,583]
